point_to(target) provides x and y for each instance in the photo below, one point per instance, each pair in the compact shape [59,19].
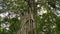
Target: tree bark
[27,20]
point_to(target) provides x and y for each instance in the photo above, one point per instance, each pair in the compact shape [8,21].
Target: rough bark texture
[27,20]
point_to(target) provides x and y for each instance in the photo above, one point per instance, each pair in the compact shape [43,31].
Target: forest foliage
[47,23]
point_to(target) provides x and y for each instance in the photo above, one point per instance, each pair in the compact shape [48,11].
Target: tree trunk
[27,20]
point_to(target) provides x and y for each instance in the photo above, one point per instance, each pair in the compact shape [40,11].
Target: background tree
[29,16]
